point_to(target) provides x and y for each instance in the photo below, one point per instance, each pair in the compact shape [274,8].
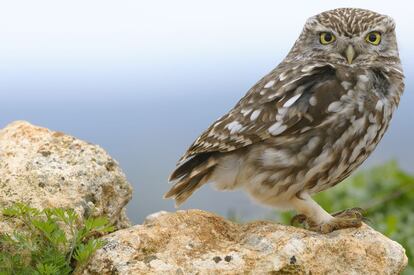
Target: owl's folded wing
[285,102]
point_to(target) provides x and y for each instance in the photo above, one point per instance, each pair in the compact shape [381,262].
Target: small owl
[308,124]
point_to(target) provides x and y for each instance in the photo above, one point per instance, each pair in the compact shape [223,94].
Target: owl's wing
[287,101]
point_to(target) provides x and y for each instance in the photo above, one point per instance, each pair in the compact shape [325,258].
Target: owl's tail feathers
[189,176]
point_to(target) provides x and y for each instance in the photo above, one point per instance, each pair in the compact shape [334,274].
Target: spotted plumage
[309,123]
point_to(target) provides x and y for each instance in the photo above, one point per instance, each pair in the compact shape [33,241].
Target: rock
[44,169]
[197,242]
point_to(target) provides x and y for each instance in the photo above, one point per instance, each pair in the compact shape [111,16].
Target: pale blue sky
[102,44]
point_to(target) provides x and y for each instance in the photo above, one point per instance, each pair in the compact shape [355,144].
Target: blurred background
[144,78]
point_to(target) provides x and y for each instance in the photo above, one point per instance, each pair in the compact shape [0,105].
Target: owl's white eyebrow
[380,29]
[321,28]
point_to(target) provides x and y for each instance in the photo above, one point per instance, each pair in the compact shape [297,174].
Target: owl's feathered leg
[309,210]
[317,219]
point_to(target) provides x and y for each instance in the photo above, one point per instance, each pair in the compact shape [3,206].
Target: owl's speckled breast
[364,113]
[321,157]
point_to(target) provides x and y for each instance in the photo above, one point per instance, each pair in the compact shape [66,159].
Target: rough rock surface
[50,169]
[197,242]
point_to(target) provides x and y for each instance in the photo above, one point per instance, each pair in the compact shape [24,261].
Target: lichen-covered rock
[197,242]
[44,169]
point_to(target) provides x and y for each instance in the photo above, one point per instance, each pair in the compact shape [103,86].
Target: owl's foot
[347,218]
[346,212]
[344,219]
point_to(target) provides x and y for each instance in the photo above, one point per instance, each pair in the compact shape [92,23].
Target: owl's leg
[309,211]
[317,219]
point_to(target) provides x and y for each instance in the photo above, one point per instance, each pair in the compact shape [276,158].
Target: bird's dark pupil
[372,37]
[328,37]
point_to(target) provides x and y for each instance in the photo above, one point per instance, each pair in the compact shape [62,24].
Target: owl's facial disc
[350,37]
[352,48]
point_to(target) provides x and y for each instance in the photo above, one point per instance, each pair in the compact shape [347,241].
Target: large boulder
[197,242]
[45,169]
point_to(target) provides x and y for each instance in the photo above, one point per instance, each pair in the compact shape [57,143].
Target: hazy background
[144,78]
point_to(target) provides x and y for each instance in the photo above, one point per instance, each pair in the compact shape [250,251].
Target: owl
[308,124]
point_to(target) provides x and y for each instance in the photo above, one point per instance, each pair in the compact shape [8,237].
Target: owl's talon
[300,219]
[359,210]
[305,221]
[348,218]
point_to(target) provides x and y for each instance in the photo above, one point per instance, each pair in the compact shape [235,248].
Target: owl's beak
[350,54]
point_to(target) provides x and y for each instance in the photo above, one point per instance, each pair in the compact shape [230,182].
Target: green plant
[50,241]
[386,193]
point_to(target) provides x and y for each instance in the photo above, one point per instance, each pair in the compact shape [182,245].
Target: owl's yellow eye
[326,38]
[373,38]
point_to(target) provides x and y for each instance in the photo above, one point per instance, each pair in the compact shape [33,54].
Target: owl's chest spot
[363,88]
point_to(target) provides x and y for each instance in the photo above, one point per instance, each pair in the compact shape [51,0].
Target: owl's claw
[303,220]
[359,210]
[300,218]
[344,219]
[353,210]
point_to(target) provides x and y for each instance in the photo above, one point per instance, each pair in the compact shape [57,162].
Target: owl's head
[347,36]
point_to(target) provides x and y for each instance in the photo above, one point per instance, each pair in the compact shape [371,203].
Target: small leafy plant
[51,241]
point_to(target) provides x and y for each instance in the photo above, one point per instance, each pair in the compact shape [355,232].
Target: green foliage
[51,241]
[386,193]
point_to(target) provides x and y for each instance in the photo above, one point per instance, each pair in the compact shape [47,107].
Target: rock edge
[198,242]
